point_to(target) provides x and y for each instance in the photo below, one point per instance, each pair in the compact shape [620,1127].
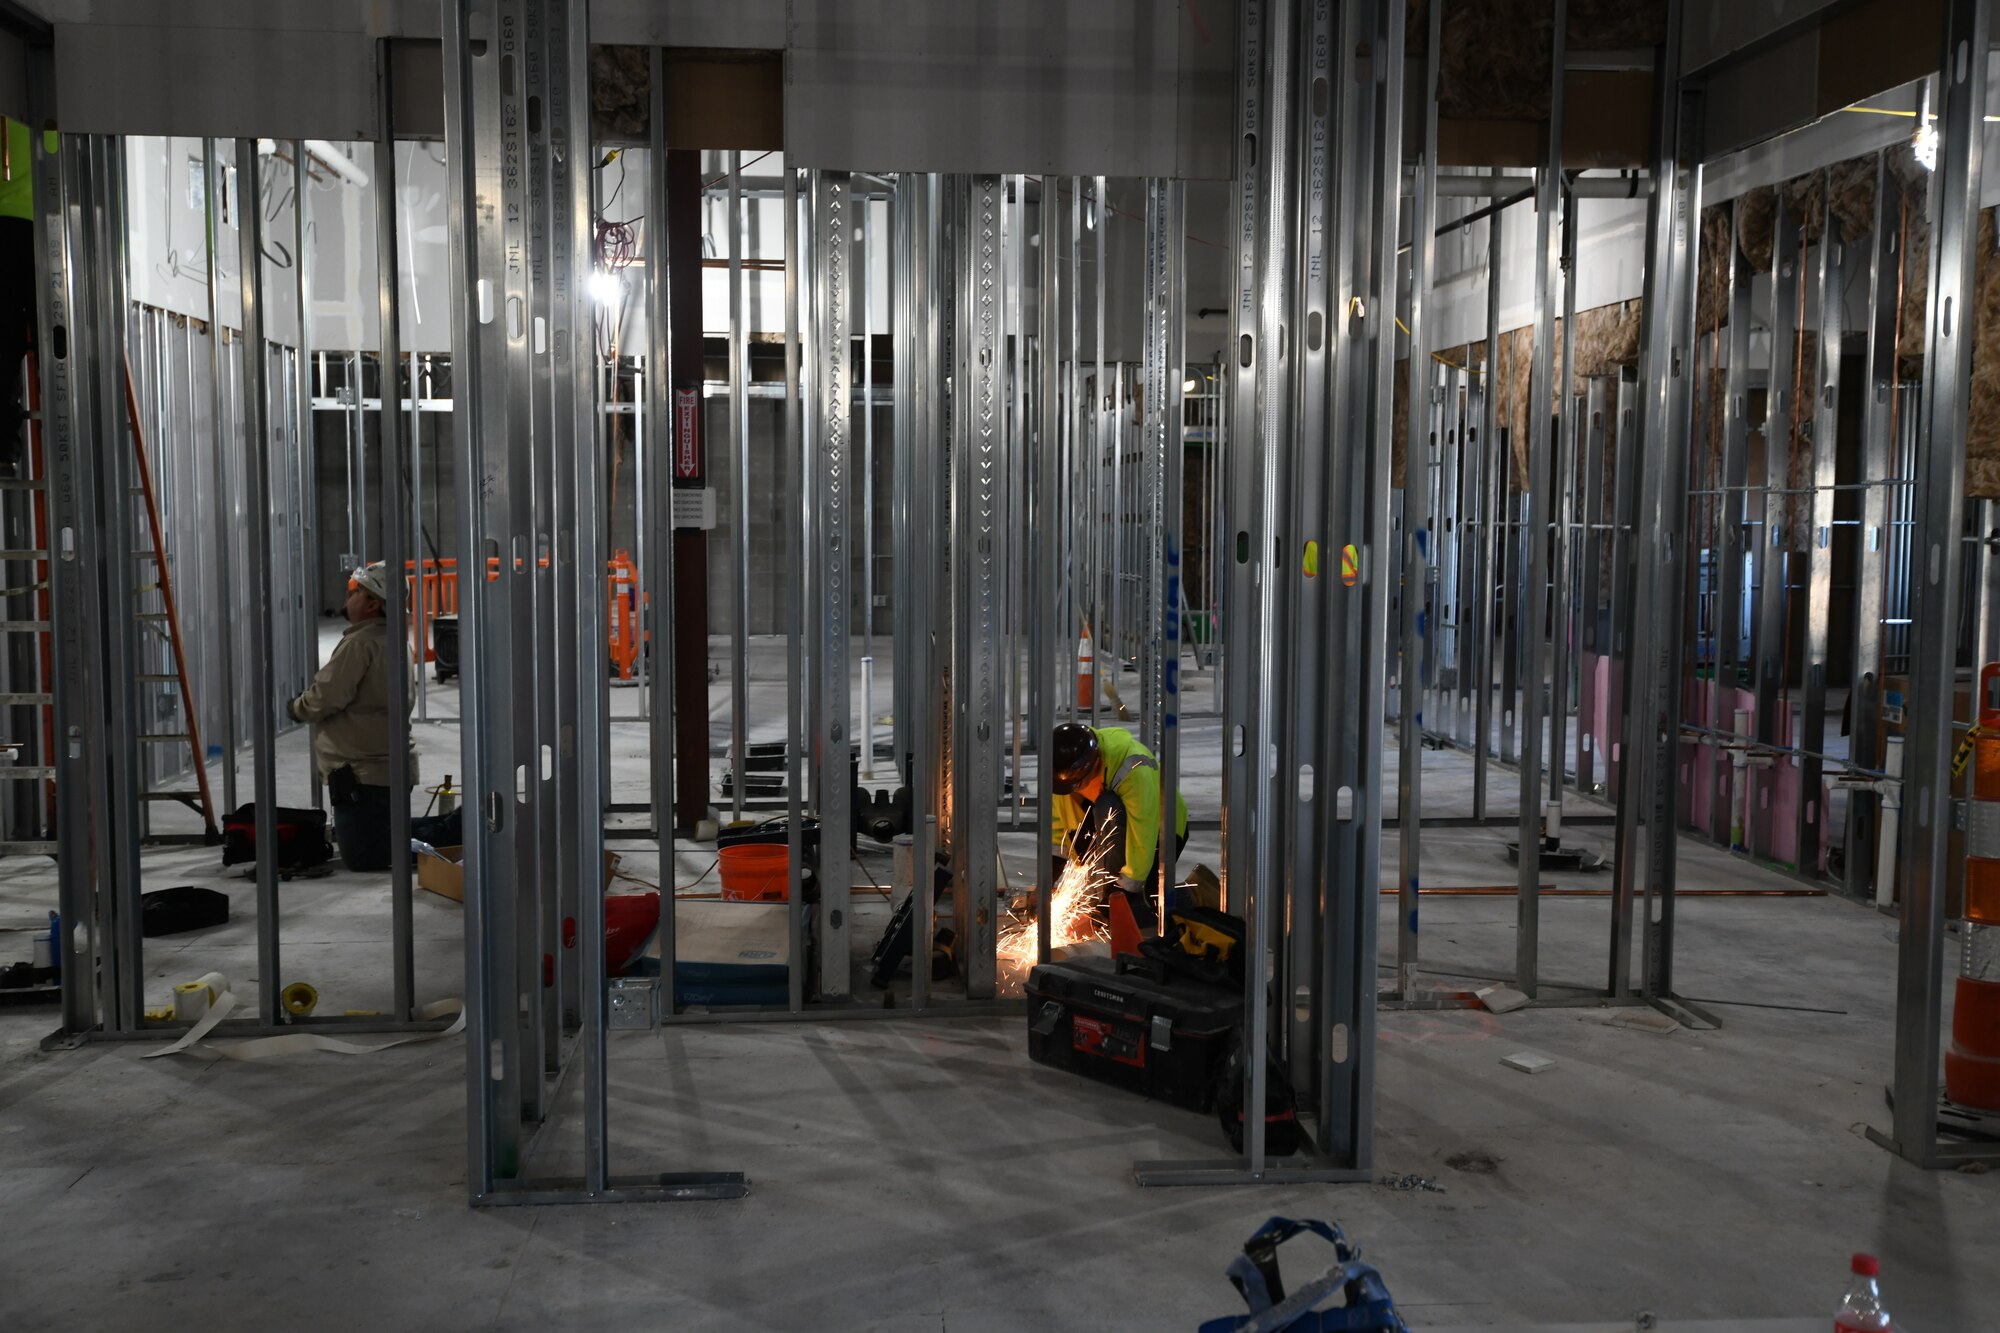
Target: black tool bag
[184,907]
[774,833]
[1200,944]
[1163,1040]
[893,949]
[301,838]
[1282,1135]
[440,830]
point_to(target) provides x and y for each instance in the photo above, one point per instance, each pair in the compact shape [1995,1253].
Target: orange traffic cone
[1086,670]
[1972,1063]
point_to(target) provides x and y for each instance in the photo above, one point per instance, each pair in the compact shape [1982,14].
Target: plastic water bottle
[1861,1310]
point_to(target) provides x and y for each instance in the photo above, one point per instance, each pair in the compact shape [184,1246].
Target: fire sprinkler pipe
[1631,185]
[332,158]
[1506,191]
[1552,891]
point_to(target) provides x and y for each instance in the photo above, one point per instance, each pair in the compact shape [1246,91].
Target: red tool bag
[302,840]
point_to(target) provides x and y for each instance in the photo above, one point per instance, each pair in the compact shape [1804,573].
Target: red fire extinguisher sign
[687,455]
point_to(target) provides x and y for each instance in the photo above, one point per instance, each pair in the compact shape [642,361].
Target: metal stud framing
[1534,536]
[831,484]
[1166,236]
[395,442]
[979,503]
[1496,466]
[1315,234]
[1818,540]
[1937,584]
[517,116]
[87,339]
[74,574]
[655,493]
[1054,629]
[1775,544]
[1293,73]
[1735,536]
[1652,709]
[1871,540]
[1591,519]
[1417,530]
[999,434]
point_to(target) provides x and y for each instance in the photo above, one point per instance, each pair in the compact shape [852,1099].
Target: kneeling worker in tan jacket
[348,707]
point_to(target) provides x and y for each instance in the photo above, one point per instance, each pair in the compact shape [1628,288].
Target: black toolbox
[1162,1039]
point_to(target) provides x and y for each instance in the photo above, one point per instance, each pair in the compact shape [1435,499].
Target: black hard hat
[1076,756]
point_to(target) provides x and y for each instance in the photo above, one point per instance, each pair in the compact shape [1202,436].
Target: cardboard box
[444,873]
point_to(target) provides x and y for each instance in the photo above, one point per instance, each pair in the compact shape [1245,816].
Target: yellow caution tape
[1963,755]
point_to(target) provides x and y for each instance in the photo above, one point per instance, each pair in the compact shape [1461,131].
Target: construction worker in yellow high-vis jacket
[1106,806]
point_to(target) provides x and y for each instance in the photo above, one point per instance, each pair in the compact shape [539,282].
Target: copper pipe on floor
[1552,891]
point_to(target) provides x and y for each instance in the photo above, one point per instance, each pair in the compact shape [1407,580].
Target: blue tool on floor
[1366,1305]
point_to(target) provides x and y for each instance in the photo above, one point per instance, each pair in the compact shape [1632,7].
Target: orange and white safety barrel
[1086,671]
[1972,1063]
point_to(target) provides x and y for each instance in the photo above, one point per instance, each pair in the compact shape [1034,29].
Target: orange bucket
[756,872]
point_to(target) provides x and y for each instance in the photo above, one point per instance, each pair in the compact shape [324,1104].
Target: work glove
[1131,885]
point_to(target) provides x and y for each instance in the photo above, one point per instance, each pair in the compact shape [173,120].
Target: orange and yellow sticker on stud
[1350,564]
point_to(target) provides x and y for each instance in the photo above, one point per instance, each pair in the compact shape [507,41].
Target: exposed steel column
[690,471]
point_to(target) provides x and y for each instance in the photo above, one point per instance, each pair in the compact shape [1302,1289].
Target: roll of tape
[299,999]
[192,999]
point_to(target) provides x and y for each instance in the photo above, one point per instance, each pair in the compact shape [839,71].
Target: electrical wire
[714,181]
[615,155]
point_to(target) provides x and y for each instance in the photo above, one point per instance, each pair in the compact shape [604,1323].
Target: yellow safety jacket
[1131,771]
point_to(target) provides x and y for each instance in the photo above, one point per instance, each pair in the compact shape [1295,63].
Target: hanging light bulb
[1924,143]
[606,287]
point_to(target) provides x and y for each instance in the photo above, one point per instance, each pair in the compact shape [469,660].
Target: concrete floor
[925,1175]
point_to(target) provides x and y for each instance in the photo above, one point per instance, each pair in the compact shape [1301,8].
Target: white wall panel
[1611,244]
[167,236]
[342,239]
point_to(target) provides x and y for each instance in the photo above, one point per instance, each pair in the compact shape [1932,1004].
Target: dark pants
[1100,841]
[361,827]
[17,316]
